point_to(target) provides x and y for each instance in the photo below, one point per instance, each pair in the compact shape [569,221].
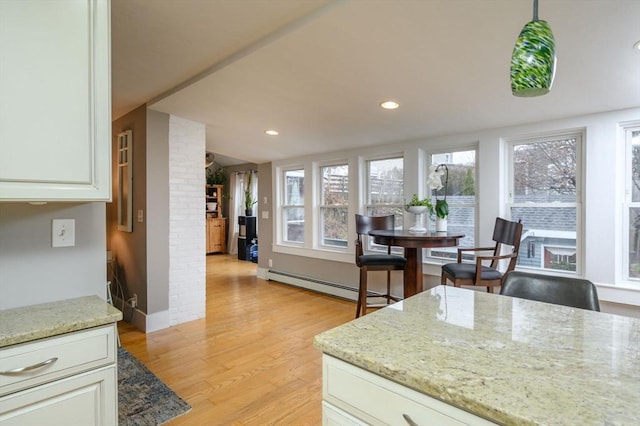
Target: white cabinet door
[55,113]
[87,399]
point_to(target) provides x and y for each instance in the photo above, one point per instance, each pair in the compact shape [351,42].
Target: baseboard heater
[313,284]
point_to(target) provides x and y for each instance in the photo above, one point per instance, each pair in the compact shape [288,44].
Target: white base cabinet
[69,379]
[353,396]
[80,400]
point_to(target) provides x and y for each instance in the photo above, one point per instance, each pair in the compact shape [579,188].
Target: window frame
[428,162]
[367,206]
[627,131]
[319,206]
[282,206]
[578,204]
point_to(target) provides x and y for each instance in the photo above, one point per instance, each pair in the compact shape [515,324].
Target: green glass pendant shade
[533,62]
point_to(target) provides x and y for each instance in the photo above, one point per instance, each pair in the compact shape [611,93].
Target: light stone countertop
[19,325]
[512,361]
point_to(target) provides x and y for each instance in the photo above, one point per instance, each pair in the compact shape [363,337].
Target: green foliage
[415,201]
[442,209]
[469,184]
[216,177]
[249,200]
[563,266]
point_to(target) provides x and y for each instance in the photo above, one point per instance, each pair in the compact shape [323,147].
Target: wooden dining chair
[505,233]
[375,262]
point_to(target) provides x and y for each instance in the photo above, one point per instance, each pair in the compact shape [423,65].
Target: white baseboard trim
[313,284]
[142,321]
[262,273]
[156,321]
[618,294]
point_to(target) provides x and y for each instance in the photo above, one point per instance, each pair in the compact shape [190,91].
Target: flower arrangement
[435,182]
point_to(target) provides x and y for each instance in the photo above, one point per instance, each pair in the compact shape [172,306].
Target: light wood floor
[251,361]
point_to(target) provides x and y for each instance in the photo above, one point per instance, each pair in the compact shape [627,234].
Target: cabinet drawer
[332,416]
[379,401]
[31,364]
[87,399]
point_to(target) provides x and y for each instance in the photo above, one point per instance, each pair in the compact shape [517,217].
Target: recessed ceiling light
[389,105]
[272,132]
[637,45]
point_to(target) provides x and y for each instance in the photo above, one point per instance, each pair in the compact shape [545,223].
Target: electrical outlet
[134,301]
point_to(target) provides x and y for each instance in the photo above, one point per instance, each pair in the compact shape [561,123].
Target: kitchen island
[471,357]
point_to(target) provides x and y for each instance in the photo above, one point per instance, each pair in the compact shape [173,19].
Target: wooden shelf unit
[216,228]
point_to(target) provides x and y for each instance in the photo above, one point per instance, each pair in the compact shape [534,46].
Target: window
[545,193]
[293,206]
[334,204]
[461,198]
[632,202]
[384,193]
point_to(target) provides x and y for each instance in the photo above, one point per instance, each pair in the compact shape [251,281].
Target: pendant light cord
[535,10]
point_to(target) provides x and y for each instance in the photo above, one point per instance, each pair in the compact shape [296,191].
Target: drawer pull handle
[409,420]
[30,367]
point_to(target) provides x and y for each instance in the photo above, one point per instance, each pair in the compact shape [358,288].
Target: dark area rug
[143,399]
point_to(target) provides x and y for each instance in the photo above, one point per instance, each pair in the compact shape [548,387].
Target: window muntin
[632,201]
[334,205]
[544,193]
[293,206]
[461,198]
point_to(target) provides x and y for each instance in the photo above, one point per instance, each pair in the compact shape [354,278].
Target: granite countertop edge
[411,381]
[28,323]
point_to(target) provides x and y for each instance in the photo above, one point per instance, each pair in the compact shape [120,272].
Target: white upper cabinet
[55,100]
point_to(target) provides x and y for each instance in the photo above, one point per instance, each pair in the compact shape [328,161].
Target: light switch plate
[265,214]
[63,233]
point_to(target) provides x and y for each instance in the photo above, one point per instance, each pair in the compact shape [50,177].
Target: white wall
[187,268]
[33,272]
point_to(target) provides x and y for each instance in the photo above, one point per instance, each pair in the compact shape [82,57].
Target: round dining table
[413,244]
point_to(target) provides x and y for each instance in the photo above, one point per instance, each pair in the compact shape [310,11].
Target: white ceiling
[317,70]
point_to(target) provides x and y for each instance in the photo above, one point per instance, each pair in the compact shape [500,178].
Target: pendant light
[533,62]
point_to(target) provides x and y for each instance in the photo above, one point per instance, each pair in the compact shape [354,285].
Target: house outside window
[632,204]
[334,205]
[293,206]
[384,193]
[545,179]
[461,197]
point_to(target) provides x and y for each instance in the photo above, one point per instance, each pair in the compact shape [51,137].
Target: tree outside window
[632,136]
[293,206]
[544,194]
[385,188]
[334,205]
[385,191]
